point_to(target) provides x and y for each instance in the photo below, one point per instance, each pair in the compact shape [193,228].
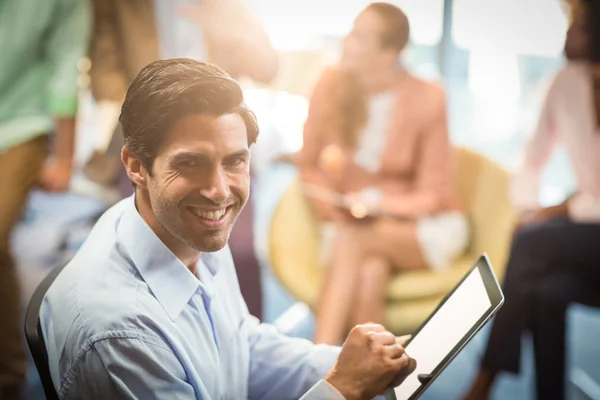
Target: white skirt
[443,238]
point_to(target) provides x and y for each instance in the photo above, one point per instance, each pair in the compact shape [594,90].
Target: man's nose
[216,187]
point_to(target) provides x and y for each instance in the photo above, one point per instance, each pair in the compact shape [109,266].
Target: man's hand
[371,359]
[56,176]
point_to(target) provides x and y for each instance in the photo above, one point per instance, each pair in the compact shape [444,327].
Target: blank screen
[445,330]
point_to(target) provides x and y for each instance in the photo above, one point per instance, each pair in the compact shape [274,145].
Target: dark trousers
[551,265]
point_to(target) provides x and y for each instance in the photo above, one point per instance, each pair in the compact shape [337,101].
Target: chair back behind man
[35,336]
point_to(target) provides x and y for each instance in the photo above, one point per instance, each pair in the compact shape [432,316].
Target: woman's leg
[503,351]
[337,293]
[393,244]
[538,253]
[395,241]
[391,240]
[371,290]
[576,279]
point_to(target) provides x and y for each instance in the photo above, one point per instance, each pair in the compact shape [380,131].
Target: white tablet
[462,313]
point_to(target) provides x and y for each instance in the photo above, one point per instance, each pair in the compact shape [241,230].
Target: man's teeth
[209,215]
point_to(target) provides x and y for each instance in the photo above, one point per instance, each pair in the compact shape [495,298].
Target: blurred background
[495,60]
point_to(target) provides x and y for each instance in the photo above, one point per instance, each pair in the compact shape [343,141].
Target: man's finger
[394,351]
[386,338]
[410,367]
[401,340]
[371,327]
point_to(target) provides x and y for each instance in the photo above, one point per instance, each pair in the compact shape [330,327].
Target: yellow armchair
[294,244]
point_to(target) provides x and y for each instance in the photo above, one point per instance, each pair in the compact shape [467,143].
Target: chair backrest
[483,187]
[35,337]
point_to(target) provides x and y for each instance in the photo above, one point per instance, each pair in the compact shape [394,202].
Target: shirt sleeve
[525,186]
[323,390]
[127,368]
[68,41]
[286,368]
[433,172]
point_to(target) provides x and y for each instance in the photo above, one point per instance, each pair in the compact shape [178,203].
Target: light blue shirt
[127,320]
[177,35]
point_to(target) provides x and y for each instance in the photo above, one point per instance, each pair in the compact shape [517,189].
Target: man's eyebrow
[239,154]
[185,156]
[177,158]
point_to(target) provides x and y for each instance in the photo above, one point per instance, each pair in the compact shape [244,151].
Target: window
[291,23]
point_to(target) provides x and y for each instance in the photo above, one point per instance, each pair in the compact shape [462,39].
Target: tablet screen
[445,329]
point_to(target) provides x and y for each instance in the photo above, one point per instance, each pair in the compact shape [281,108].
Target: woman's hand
[358,207]
[542,215]
[332,160]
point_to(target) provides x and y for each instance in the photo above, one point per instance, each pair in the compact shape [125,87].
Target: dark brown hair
[166,90]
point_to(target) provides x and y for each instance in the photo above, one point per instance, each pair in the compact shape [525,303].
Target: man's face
[362,50]
[201,179]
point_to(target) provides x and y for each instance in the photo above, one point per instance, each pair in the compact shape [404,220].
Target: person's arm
[433,172]
[282,368]
[286,368]
[236,39]
[323,390]
[67,44]
[525,186]
[314,139]
[127,366]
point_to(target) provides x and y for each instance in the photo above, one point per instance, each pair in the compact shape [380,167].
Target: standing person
[38,96]
[378,136]
[554,257]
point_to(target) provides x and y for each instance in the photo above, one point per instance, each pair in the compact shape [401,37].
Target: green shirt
[41,42]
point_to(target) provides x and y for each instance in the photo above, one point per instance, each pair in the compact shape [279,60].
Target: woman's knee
[531,255]
[351,237]
[530,240]
[374,272]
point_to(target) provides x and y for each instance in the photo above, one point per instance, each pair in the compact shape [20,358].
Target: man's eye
[189,163]
[236,162]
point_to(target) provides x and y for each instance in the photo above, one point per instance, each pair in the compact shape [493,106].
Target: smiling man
[150,307]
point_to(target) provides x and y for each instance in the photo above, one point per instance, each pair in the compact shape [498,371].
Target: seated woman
[555,253]
[376,137]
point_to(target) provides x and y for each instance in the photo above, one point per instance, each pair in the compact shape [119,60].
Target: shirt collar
[170,281]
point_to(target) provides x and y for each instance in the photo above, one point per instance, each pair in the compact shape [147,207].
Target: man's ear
[135,170]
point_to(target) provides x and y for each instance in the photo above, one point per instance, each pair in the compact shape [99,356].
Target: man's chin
[212,247]
[211,240]
[208,244]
